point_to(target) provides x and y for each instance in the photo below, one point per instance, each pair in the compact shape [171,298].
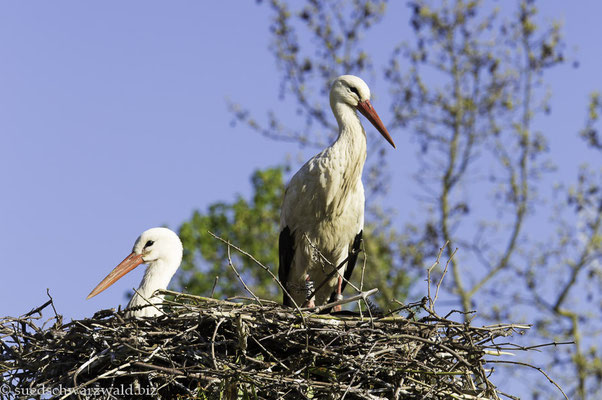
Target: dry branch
[205,347]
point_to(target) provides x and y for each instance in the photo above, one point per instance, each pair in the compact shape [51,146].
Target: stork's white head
[353,91]
[349,89]
[156,246]
[159,243]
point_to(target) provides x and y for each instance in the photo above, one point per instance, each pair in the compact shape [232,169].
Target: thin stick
[265,268]
[38,309]
[530,366]
[214,284]
[69,393]
[52,303]
[148,301]
[358,370]
[199,298]
[428,276]
[443,276]
[444,347]
[240,277]
[524,348]
[213,342]
[359,303]
[335,270]
[351,299]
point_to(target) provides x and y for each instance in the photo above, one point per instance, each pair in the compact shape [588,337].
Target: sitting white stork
[161,249]
[322,213]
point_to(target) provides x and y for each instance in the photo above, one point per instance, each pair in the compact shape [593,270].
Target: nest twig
[207,347]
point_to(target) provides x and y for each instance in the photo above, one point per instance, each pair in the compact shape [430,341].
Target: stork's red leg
[339,294]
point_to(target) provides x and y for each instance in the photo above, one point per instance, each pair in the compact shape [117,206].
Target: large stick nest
[206,348]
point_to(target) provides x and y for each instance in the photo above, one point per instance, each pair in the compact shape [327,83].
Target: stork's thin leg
[339,294]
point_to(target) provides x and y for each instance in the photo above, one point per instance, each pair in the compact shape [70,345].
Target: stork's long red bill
[369,112]
[128,264]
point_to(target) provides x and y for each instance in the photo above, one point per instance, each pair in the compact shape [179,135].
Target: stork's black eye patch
[354,90]
[149,244]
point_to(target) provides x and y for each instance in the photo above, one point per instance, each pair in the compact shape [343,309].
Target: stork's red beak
[369,112]
[130,262]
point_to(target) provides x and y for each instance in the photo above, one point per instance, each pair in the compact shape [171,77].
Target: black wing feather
[286,251]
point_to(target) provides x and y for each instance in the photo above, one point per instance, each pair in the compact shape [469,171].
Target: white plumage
[161,249]
[322,213]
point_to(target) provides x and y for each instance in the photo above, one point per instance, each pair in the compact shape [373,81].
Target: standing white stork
[322,215]
[161,249]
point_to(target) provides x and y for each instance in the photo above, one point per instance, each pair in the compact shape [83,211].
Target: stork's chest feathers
[331,180]
[328,187]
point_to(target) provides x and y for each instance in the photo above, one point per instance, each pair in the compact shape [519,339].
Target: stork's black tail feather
[286,250]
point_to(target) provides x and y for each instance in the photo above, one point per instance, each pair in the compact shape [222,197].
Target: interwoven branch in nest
[204,348]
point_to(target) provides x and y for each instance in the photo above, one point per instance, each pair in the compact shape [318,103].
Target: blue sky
[113,119]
